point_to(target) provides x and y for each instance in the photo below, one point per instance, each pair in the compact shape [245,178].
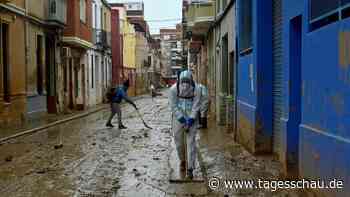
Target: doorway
[70,79]
[295,44]
[39,61]
[50,74]
[4,61]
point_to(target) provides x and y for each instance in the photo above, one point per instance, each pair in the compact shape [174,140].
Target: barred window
[245,24]
[224,4]
[83,10]
[218,6]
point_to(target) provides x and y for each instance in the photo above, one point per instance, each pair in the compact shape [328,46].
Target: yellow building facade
[129,45]
[129,55]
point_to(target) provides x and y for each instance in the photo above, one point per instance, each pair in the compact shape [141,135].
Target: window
[95,14]
[53,7]
[92,71]
[324,12]
[224,4]
[218,6]
[4,61]
[101,18]
[105,21]
[322,7]
[245,24]
[83,10]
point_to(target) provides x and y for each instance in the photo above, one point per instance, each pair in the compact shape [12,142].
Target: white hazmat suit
[185,104]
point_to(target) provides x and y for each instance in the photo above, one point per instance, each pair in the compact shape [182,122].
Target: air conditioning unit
[66,52]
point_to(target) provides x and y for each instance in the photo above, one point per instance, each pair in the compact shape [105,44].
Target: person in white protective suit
[203,113]
[184,98]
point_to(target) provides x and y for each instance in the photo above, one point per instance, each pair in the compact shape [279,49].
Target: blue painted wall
[324,139]
[255,82]
[289,140]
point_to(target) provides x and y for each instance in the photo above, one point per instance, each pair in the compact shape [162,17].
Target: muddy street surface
[95,160]
[107,162]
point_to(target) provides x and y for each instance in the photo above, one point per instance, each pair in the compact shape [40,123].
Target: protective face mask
[186,90]
[185,85]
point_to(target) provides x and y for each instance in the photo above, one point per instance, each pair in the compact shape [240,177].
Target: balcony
[199,16]
[101,39]
[57,12]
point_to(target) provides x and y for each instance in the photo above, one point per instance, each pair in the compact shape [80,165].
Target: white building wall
[96,14]
[97,76]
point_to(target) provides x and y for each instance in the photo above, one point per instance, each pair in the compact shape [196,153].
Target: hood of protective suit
[186,85]
[186,75]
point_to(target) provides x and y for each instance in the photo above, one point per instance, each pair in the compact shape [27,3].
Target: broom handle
[185,147]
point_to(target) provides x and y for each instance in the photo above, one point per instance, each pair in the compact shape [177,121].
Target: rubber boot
[190,173]
[204,123]
[121,126]
[183,166]
[109,125]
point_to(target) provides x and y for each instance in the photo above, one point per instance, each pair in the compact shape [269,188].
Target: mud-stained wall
[255,76]
[13,112]
[324,130]
[326,102]
[245,129]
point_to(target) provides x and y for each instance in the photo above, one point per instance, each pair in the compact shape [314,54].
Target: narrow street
[94,160]
[260,87]
[97,161]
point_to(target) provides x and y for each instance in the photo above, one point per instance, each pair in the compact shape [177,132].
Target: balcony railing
[57,11]
[101,38]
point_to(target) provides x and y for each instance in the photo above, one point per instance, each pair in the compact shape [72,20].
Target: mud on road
[94,160]
[97,161]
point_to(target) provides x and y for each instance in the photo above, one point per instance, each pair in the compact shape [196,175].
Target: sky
[160,13]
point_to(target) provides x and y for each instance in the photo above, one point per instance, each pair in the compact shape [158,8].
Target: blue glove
[182,120]
[189,122]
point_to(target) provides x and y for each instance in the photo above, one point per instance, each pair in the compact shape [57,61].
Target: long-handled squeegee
[141,117]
